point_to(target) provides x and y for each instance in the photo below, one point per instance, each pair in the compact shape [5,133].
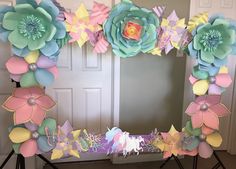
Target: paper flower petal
[201,87]
[32,57]
[45,62]
[192,108]
[101,46]
[56,154]
[43,145]
[220,109]
[211,120]
[54,71]
[44,77]
[38,115]
[45,102]
[214,139]
[14,103]
[23,114]
[223,80]
[17,65]
[28,80]
[214,90]
[50,48]
[205,150]
[19,135]
[197,120]
[99,13]
[49,124]
[28,148]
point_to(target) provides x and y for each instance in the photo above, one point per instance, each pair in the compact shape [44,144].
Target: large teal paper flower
[131,29]
[30,26]
[213,42]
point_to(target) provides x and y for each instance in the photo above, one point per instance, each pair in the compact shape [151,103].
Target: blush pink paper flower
[206,110]
[29,105]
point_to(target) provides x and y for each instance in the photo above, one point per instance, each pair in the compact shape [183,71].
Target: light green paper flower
[114,27]
[214,40]
[30,27]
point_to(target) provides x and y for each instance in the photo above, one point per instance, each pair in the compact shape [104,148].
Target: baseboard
[144,157]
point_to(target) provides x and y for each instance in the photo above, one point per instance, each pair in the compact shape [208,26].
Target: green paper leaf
[191,131]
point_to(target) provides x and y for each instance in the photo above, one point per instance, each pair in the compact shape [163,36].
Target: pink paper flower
[205,110]
[99,14]
[28,105]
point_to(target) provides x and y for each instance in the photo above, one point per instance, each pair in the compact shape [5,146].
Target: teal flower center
[211,40]
[31,27]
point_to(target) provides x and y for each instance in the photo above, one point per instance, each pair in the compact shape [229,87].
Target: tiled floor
[229,161]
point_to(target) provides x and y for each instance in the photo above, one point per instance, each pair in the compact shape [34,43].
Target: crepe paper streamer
[32,70]
[32,139]
[197,20]
[159,10]
[99,14]
[29,105]
[213,85]
[123,142]
[78,23]
[46,28]
[206,110]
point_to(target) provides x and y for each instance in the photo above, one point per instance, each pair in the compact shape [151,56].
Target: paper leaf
[197,20]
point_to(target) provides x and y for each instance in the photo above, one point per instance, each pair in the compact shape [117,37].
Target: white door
[86,92]
[227,125]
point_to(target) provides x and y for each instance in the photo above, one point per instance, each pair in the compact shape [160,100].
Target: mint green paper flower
[30,26]
[131,29]
[213,41]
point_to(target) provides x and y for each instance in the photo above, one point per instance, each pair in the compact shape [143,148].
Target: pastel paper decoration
[159,10]
[30,26]
[69,143]
[169,144]
[32,139]
[197,20]
[32,70]
[213,84]
[78,23]
[29,105]
[203,140]
[123,142]
[206,110]
[213,42]
[122,14]
[170,35]
[99,14]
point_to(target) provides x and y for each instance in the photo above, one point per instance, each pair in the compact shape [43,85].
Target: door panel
[228,8]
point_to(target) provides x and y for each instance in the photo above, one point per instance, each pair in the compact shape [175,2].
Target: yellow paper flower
[78,24]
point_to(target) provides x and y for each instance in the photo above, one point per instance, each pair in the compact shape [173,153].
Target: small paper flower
[29,139]
[213,85]
[68,143]
[131,29]
[172,30]
[30,26]
[203,141]
[169,144]
[206,110]
[32,70]
[28,105]
[78,23]
[213,42]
